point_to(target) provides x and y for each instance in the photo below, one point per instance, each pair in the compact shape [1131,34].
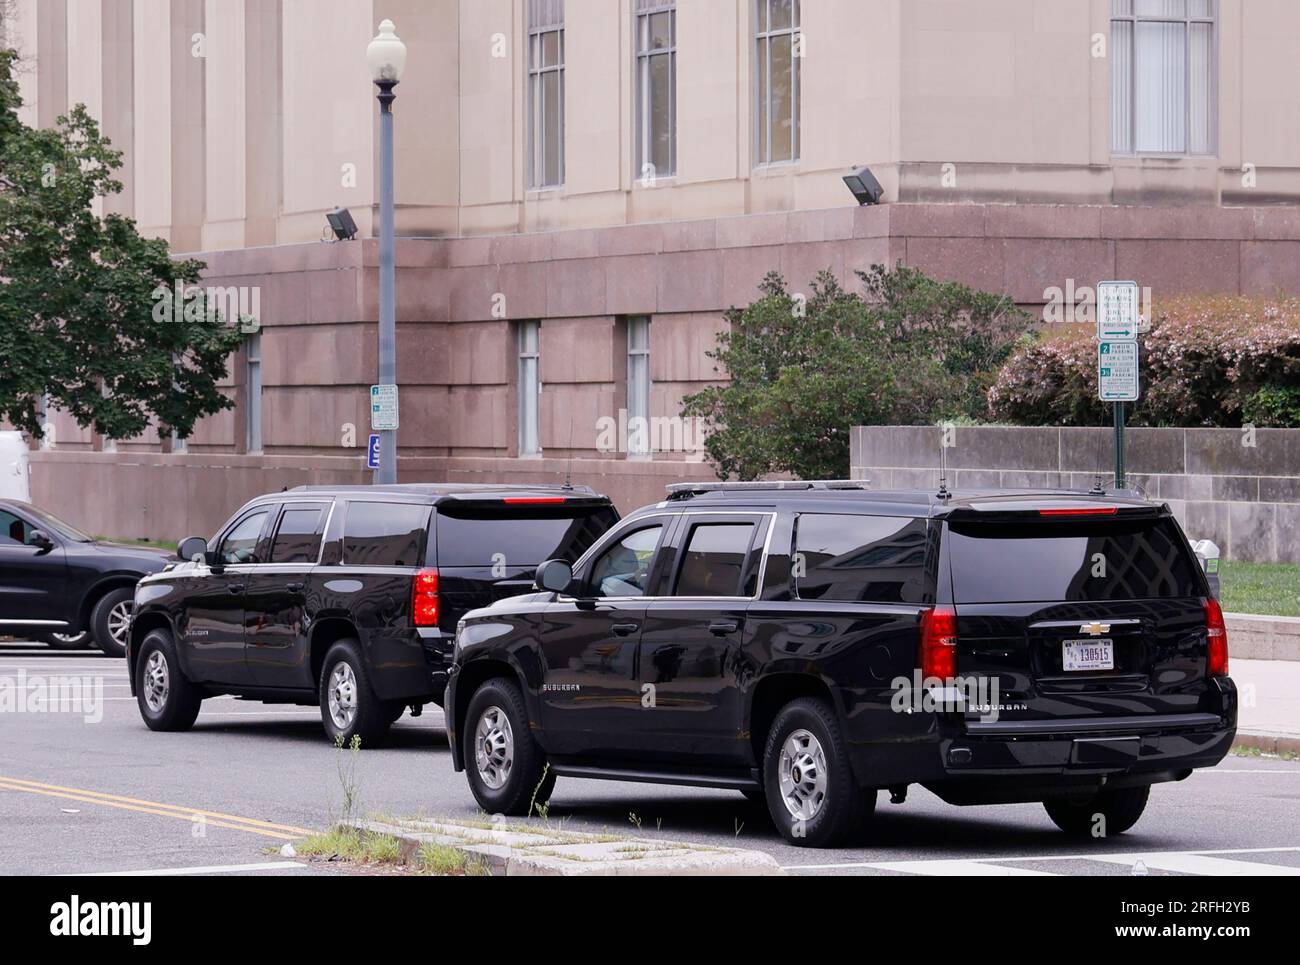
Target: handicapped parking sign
[372,451]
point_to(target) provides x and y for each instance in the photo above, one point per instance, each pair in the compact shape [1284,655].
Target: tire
[110,620]
[167,699]
[805,748]
[512,777]
[1119,809]
[68,641]
[348,705]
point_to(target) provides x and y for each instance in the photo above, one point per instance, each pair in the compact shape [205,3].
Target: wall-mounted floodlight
[864,186]
[341,223]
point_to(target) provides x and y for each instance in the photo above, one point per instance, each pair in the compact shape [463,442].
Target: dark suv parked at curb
[67,588]
[809,644]
[346,597]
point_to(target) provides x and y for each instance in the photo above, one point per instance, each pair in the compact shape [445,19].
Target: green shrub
[910,350]
[1207,361]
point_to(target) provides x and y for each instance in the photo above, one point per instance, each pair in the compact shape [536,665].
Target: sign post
[1117,355]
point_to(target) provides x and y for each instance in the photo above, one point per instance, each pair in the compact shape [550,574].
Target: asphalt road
[83,795]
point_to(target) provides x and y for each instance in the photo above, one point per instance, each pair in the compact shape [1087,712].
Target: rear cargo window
[520,538]
[876,559]
[1077,560]
[384,534]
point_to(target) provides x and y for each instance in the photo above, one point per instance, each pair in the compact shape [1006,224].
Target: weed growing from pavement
[384,852]
[1239,751]
[349,779]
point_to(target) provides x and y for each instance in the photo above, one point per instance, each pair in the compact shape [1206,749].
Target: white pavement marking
[1199,864]
[196,870]
[1161,860]
[940,866]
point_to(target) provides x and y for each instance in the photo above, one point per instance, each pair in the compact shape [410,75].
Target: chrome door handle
[624,629]
[722,627]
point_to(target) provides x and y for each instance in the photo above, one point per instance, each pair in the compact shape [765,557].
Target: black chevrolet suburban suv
[809,644]
[344,596]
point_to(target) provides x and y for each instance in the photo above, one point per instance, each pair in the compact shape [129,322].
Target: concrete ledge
[539,850]
[1255,637]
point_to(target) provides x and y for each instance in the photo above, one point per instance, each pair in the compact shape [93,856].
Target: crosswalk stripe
[1199,864]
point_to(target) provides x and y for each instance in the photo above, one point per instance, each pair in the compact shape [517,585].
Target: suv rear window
[384,534]
[473,537]
[873,559]
[1077,560]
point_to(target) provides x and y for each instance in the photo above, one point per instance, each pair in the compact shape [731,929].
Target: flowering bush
[1207,361]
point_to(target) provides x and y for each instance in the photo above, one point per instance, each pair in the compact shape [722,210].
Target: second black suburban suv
[810,644]
[65,587]
[343,596]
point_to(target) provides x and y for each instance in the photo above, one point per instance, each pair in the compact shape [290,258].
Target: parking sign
[1118,311]
[372,451]
[1117,371]
[383,407]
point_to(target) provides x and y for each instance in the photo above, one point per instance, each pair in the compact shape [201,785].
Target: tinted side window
[714,559]
[384,534]
[624,568]
[240,544]
[13,529]
[296,538]
[870,559]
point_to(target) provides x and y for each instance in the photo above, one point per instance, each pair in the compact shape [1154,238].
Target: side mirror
[41,540]
[193,548]
[554,575]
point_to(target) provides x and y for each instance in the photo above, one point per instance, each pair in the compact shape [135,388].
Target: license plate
[1088,655]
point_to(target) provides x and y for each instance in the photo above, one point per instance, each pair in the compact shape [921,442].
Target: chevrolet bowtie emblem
[1095,629]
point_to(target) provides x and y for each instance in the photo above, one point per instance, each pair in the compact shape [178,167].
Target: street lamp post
[386,56]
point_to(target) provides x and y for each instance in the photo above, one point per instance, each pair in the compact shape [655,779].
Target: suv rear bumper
[1012,761]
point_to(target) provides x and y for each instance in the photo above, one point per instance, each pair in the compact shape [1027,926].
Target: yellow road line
[215,818]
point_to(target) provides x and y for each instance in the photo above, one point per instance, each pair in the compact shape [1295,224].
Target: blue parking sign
[372,451]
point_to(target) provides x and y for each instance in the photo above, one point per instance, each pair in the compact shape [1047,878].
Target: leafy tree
[79,292]
[912,351]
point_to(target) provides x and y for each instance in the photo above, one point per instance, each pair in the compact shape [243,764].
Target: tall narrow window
[1163,73]
[638,386]
[656,89]
[778,51]
[253,371]
[530,387]
[545,93]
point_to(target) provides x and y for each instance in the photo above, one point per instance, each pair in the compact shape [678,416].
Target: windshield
[48,521]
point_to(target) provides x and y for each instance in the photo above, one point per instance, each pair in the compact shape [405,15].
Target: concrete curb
[538,850]
[1267,743]
[1255,637]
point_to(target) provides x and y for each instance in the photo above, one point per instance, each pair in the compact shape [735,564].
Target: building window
[530,387]
[1163,77]
[545,93]
[778,51]
[253,373]
[656,89]
[638,386]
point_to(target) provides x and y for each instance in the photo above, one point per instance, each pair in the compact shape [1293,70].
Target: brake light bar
[1216,639]
[937,654]
[424,598]
[1083,511]
[533,499]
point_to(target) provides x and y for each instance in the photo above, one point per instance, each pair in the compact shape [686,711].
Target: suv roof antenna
[944,494]
[568,466]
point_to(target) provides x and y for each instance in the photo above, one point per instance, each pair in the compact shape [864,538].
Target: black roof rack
[685,490]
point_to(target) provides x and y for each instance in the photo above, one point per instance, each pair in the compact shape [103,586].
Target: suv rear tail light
[937,654]
[1216,639]
[1087,511]
[424,598]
